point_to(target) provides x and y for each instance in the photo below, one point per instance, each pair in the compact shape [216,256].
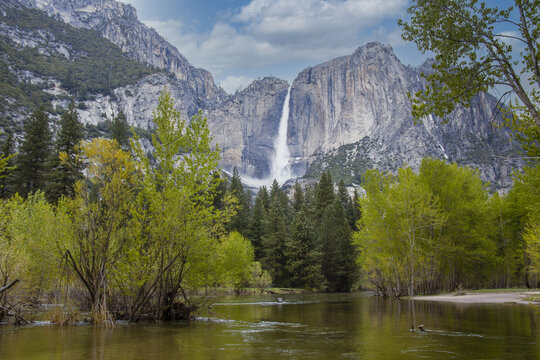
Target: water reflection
[313,326]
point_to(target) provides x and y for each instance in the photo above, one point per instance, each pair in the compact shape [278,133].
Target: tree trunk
[8,286]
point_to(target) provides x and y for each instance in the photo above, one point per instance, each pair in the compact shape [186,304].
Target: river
[308,326]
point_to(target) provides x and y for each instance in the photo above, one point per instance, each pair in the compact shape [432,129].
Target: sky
[242,40]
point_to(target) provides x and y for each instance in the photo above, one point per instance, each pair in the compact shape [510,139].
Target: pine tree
[303,252]
[275,237]
[277,194]
[240,221]
[120,130]
[67,171]
[298,197]
[265,197]
[221,190]
[7,153]
[324,195]
[356,211]
[256,227]
[347,204]
[339,254]
[33,161]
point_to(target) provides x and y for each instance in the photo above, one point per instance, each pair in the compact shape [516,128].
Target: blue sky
[241,40]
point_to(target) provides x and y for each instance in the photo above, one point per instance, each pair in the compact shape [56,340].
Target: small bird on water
[420,327]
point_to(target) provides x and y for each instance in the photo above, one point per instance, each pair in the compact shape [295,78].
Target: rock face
[348,114]
[139,100]
[362,99]
[118,22]
[246,125]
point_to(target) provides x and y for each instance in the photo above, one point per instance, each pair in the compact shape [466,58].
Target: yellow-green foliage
[527,191]
[425,232]
[175,226]
[34,232]
[235,258]
[397,246]
[12,259]
[99,217]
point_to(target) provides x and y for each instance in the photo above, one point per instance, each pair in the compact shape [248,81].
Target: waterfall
[281,167]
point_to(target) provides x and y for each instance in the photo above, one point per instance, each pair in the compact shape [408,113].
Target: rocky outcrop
[138,101]
[362,99]
[350,113]
[118,22]
[246,125]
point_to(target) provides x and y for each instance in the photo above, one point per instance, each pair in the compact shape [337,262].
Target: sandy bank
[483,298]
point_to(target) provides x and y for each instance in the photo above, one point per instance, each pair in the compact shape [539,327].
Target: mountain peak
[374,49]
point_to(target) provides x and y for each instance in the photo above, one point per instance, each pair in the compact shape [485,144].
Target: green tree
[303,253]
[276,235]
[398,242]
[257,224]
[66,171]
[33,160]
[507,219]
[324,195]
[99,218]
[240,221]
[356,212]
[473,50]
[120,130]
[527,197]
[469,252]
[177,228]
[298,197]
[347,204]
[338,252]
[221,190]
[235,260]
[7,165]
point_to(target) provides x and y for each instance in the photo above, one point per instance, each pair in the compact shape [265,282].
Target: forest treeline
[438,229]
[126,233]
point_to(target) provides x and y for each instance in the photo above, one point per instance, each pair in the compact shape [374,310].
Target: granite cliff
[353,113]
[346,115]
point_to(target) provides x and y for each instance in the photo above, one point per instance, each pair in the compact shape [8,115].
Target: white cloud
[232,83]
[313,20]
[275,32]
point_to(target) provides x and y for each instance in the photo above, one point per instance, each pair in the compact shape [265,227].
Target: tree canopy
[477,48]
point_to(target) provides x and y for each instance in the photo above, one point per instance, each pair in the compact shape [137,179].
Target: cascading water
[280,166]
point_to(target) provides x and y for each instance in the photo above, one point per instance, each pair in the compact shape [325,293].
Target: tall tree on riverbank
[338,252]
[276,236]
[240,221]
[99,216]
[303,253]
[177,229]
[33,160]
[7,165]
[66,169]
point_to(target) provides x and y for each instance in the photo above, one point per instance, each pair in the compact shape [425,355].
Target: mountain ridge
[356,101]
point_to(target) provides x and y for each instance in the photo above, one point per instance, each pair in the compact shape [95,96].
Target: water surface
[312,326]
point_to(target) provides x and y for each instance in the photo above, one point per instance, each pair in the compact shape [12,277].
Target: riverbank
[487,297]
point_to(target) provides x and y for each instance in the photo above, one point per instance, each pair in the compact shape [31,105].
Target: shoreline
[518,297]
